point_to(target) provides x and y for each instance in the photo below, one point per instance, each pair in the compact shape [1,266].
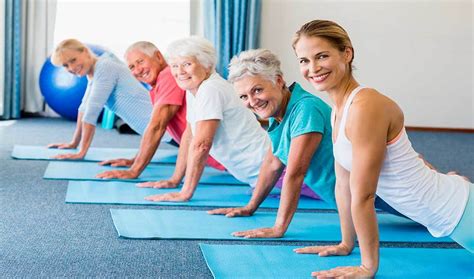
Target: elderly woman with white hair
[300,133]
[217,122]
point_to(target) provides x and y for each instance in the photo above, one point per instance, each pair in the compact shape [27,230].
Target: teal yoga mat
[166,154]
[88,171]
[206,195]
[226,261]
[181,224]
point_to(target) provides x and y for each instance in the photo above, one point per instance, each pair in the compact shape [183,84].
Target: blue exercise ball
[62,90]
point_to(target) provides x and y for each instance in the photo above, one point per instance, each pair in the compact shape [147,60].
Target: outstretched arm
[302,149]
[199,149]
[76,138]
[155,130]
[270,171]
[88,131]
[181,164]
[367,128]
[343,200]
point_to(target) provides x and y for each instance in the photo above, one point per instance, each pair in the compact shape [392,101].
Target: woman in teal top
[300,132]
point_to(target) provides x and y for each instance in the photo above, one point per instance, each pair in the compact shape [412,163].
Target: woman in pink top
[374,156]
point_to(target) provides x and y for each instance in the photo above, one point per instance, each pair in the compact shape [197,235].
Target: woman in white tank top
[374,157]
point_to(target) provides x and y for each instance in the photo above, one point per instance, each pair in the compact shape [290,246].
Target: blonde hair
[256,62]
[69,44]
[329,30]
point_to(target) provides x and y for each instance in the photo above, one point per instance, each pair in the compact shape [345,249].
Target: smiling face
[261,96]
[143,67]
[188,72]
[76,62]
[323,65]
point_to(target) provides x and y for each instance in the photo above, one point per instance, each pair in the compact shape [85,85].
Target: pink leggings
[305,190]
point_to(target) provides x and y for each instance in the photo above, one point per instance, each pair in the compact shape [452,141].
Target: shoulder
[215,85]
[370,102]
[371,109]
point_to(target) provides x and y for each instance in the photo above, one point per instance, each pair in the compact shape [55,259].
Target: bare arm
[87,133]
[368,135]
[343,199]
[155,130]
[180,167]
[367,128]
[198,153]
[76,138]
[302,149]
[270,172]
[199,148]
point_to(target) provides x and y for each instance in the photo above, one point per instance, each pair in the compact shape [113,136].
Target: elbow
[364,201]
[159,127]
[202,147]
[296,173]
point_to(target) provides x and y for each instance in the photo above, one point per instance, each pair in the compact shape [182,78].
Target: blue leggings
[463,234]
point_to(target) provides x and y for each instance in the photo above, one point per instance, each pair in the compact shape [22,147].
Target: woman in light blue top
[300,133]
[110,84]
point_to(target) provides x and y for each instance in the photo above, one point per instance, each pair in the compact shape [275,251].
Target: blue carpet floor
[42,236]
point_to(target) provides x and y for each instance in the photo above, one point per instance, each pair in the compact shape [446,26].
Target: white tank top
[432,199]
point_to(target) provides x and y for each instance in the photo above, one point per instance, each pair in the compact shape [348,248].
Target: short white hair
[196,47]
[255,62]
[144,47]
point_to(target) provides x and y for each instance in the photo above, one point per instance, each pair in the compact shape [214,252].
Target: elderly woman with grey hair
[300,132]
[217,122]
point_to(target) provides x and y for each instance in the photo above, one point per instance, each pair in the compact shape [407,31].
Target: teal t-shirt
[304,114]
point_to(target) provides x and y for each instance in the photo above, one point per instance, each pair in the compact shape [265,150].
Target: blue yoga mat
[206,195]
[165,154]
[226,261]
[88,171]
[181,224]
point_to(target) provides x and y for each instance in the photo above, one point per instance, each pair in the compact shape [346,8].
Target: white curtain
[37,44]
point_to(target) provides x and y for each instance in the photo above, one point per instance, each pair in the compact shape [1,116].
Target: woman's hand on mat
[232,212]
[329,250]
[70,156]
[171,197]
[118,162]
[120,174]
[165,184]
[345,272]
[70,145]
[261,233]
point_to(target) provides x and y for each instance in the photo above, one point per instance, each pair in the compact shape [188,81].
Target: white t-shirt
[240,143]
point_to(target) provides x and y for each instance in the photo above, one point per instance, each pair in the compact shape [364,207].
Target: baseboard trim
[437,129]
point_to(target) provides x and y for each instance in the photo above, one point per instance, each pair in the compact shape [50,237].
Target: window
[117,24]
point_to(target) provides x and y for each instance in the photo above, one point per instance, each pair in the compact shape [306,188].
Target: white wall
[419,53]
[2,53]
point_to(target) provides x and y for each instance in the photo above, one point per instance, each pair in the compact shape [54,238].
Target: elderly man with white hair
[217,122]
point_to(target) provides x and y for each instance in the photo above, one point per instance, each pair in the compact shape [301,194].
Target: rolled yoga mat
[264,261]
[116,192]
[182,224]
[88,171]
[166,154]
